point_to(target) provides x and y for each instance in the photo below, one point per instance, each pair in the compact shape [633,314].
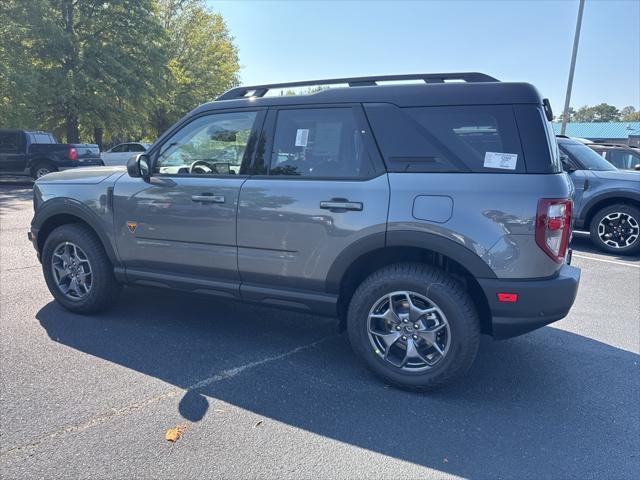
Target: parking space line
[122,411]
[626,264]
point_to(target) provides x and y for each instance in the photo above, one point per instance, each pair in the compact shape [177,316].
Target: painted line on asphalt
[616,262]
[20,268]
[126,410]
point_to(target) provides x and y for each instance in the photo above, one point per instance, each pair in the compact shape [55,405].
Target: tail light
[553,227]
[72,154]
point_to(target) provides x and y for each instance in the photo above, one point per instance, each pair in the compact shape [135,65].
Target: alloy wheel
[618,230]
[409,331]
[72,270]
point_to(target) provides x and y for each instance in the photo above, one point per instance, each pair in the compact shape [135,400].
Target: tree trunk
[73,132]
[97,136]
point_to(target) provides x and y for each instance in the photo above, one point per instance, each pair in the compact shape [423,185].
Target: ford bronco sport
[420,215]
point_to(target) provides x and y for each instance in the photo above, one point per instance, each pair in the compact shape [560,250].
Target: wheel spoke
[62,273]
[412,352]
[389,315]
[388,338]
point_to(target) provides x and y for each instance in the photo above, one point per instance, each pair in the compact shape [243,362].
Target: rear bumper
[539,303]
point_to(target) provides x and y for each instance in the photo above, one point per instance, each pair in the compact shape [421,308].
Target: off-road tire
[104,289]
[443,290]
[627,209]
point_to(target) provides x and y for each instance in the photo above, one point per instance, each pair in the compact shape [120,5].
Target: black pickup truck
[38,153]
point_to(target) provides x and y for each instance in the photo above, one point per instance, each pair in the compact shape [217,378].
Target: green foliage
[601,113]
[203,60]
[598,113]
[109,69]
[629,114]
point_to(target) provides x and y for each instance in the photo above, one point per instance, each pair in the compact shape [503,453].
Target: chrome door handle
[208,198]
[337,205]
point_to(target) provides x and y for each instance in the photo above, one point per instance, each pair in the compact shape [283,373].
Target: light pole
[576,39]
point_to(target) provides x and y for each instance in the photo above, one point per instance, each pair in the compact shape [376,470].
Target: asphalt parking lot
[276,394]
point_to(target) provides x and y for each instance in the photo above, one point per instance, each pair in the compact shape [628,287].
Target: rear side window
[481,138]
[9,142]
[135,147]
[42,138]
[319,142]
[623,159]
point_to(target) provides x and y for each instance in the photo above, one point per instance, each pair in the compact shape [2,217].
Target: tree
[90,63]
[629,114]
[203,60]
[598,113]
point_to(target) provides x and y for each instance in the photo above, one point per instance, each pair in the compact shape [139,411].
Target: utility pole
[576,40]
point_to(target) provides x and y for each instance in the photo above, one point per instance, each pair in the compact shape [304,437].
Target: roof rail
[261,90]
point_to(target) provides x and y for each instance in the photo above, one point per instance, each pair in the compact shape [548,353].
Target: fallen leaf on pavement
[173,434]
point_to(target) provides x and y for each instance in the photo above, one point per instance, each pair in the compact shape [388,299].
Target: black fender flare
[589,208]
[75,208]
[40,159]
[405,238]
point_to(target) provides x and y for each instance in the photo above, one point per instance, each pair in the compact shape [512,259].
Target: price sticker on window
[302,137]
[505,161]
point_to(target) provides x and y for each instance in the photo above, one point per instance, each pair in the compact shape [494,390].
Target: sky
[512,40]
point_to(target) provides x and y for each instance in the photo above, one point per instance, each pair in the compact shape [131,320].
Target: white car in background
[119,154]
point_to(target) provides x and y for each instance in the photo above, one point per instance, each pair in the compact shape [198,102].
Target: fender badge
[132,226]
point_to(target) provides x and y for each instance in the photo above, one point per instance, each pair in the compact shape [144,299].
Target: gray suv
[420,215]
[606,202]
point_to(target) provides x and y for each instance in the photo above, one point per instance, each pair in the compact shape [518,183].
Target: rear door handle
[337,205]
[208,198]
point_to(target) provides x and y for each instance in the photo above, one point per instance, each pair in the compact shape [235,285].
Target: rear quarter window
[447,139]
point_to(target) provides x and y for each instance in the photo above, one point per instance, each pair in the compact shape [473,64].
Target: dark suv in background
[420,215]
[606,201]
[624,157]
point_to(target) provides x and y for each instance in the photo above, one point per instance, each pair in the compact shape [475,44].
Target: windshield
[589,159]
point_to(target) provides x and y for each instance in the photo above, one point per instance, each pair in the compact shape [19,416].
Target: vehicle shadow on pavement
[13,198]
[551,403]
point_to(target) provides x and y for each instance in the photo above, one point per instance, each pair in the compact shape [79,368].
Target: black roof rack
[261,90]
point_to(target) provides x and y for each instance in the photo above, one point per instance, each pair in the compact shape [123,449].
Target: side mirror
[566,164]
[138,166]
[637,166]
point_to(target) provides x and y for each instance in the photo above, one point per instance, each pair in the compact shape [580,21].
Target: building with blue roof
[627,133]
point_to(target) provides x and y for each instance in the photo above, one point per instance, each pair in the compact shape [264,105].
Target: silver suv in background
[606,200]
[420,215]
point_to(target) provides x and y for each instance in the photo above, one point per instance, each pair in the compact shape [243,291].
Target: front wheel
[616,229]
[414,326]
[77,270]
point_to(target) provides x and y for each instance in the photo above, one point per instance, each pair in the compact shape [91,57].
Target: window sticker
[302,137]
[505,161]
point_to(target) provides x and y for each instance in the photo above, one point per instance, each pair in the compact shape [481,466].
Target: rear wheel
[41,169]
[616,229]
[77,270]
[414,326]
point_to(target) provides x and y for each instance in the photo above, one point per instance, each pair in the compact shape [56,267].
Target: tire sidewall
[464,330]
[70,233]
[593,231]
